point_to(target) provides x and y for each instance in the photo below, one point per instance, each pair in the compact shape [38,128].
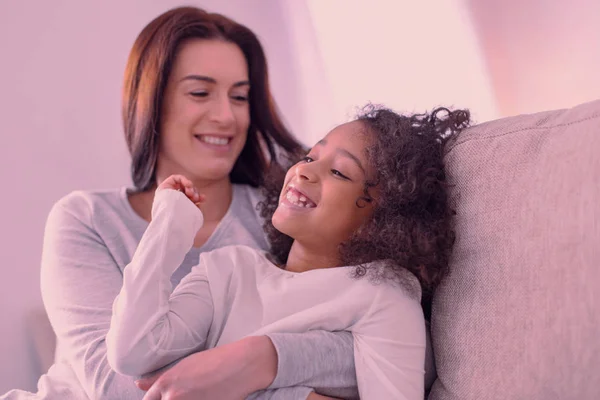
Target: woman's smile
[219,143]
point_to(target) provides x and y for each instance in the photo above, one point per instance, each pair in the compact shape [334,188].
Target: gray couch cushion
[519,315]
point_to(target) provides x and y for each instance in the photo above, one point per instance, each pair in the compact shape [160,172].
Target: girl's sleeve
[389,347]
[150,326]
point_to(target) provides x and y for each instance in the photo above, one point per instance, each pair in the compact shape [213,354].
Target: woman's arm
[318,359]
[79,281]
[150,326]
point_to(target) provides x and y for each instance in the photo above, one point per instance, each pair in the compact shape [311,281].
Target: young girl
[369,200]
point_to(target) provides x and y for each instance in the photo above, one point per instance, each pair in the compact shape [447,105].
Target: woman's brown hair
[148,69]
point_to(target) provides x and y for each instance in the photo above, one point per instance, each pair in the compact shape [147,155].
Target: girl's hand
[184,185]
[229,372]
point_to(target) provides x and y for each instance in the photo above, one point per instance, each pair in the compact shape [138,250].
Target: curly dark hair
[411,226]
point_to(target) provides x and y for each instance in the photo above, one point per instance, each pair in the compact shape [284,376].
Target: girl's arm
[389,347]
[150,327]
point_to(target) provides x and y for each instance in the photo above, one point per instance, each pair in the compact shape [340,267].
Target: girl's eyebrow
[344,153]
[351,156]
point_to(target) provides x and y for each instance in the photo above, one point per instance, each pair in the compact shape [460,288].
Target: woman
[196,101]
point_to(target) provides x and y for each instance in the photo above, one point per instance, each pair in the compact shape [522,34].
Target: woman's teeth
[220,141]
[299,201]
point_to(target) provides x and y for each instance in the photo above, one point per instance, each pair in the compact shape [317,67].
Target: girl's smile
[295,198]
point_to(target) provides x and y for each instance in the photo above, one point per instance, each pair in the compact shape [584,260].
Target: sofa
[519,315]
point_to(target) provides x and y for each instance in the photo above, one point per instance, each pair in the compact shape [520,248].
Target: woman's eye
[240,98]
[199,94]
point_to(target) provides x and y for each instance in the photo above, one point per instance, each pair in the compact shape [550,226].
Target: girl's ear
[363,201]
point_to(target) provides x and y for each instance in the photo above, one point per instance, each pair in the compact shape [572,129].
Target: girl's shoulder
[397,284]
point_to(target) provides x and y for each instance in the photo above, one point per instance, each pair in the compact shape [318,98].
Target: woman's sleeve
[150,327]
[79,281]
[318,359]
[389,348]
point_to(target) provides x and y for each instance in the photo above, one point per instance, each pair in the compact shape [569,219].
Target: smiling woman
[205,118]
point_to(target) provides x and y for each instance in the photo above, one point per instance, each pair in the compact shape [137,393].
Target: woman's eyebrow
[208,79]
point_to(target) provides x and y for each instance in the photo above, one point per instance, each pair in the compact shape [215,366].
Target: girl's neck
[302,258]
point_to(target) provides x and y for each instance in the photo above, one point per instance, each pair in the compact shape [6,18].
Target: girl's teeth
[298,201]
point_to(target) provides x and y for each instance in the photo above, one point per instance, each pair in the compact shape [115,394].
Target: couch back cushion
[519,315]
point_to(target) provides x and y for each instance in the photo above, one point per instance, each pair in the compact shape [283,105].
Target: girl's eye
[339,174]
[307,159]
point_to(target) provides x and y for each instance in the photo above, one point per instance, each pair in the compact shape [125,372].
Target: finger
[147,381]
[168,183]
[153,394]
[192,193]
[144,384]
[178,182]
[185,182]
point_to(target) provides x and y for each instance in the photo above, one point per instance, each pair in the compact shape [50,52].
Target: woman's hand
[183,184]
[316,396]
[231,371]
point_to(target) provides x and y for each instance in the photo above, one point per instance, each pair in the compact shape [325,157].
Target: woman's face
[318,202]
[205,112]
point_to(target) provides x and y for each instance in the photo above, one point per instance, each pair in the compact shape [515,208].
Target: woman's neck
[302,258]
[218,196]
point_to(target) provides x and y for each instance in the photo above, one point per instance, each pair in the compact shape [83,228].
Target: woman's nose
[221,111]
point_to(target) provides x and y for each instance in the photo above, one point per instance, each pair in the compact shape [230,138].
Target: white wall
[541,54]
[60,79]
[412,56]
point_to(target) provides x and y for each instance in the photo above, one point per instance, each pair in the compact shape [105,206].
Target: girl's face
[205,112]
[322,202]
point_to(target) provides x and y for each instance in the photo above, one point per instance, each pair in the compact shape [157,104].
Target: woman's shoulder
[88,205]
